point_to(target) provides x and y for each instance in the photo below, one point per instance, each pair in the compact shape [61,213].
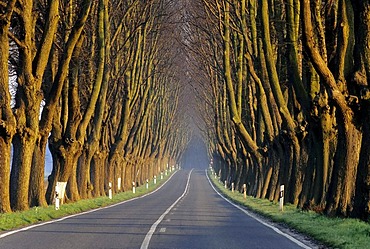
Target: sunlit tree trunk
[7,119]
[33,61]
[102,77]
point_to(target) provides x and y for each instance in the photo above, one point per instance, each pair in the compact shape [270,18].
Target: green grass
[9,221]
[332,232]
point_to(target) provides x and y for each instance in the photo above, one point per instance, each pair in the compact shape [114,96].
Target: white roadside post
[147,183]
[56,197]
[281,201]
[133,187]
[161,175]
[232,187]
[245,190]
[119,183]
[110,191]
[225,184]
[155,180]
[60,188]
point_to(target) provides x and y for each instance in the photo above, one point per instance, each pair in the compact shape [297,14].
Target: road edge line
[277,230]
[86,212]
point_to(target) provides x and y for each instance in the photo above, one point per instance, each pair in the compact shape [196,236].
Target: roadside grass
[332,232]
[14,220]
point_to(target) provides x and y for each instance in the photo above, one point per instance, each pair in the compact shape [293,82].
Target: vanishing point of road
[186,212]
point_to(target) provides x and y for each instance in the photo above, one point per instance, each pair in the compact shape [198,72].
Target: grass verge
[332,232]
[10,221]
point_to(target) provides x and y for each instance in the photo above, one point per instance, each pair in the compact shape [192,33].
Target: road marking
[162,230]
[87,212]
[277,230]
[149,235]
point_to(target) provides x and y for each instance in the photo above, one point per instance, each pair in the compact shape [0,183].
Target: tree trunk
[250,145]
[83,175]
[289,124]
[33,62]
[102,77]
[346,160]
[7,119]
[342,186]
[328,131]
[37,181]
[69,155]
[21,170]
[5,156]
[292,27]
[49,114]
[72,186]
[24,144]
[276,155]
[362,79]
[267,180]
[97,170]
[362,195]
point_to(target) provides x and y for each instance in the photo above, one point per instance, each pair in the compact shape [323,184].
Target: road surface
[184,213]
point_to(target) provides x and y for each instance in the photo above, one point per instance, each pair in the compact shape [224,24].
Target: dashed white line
[149,235]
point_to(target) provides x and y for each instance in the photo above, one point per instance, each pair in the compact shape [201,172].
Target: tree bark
[33,62]
[235,115]
[102,77]
[7,119]
[341,189]
[362,79]
[294,184]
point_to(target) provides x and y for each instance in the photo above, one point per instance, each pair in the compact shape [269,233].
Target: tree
[347,155]
[33,54]
[7,119]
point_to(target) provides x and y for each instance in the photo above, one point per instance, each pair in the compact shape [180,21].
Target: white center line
[149,235]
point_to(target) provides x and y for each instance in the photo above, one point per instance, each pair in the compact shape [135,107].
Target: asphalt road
[185,213]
